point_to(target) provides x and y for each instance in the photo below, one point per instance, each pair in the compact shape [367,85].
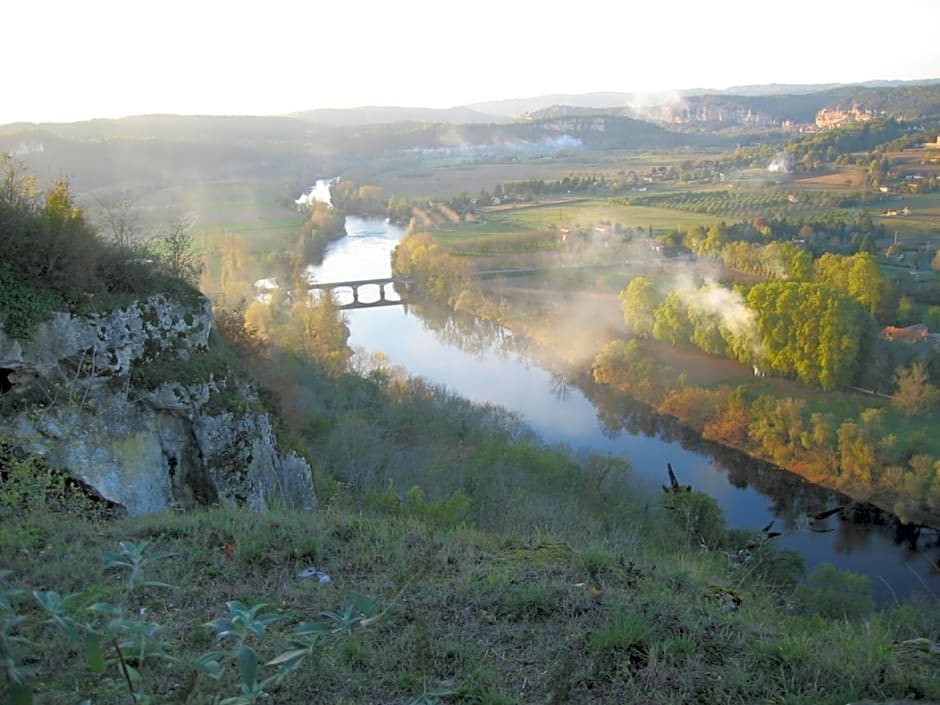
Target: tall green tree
[671,320]
[860,277]
[811,332]
[639,302]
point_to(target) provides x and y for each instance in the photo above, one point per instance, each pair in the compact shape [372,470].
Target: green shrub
[53,258]
[28,485]
[449,511]
[596,560]
[834,593]
[132,655]
[623,644]
[532,602]
[22,306]
[698,517]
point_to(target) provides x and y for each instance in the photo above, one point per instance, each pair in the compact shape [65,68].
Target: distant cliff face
[828,118]
[73,397]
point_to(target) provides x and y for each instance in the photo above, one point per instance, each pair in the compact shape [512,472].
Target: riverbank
[845,441]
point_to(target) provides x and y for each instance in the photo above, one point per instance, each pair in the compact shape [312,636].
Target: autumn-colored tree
[226,270]
[317,330]
[819,444]
[230,323]
[45,237]
[629,368]
[915,394]
[786,260]
[777,427]
[715,238]
[858,456]
[694,237]
[436,273]
[730,420]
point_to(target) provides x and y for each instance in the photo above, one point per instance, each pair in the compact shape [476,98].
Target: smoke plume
[780,163]
[727,305]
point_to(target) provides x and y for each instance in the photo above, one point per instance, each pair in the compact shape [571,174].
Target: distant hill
[765,89]
[381,115]
[605,131]
[158,148]
[212,127]
[776,102]
[530,138]
[148,149]
[102,156]
[517,107]
[907,102]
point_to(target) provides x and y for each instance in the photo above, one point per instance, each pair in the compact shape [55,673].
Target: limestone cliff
[126,403]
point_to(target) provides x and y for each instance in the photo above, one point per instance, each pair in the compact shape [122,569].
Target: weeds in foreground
[113,638]
[476,618]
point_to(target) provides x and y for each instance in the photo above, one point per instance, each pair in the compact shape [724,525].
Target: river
[750,493]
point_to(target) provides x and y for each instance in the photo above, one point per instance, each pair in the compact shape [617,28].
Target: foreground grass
[471,616]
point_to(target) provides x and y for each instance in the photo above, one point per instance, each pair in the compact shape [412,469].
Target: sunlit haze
[68,61]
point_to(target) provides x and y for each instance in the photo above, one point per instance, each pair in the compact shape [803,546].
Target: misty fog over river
[569,418]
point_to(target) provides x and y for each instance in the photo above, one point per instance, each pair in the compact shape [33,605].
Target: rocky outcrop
[111,342]
[829,118]
[97,396]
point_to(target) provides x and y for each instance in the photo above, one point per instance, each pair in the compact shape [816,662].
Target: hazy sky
[72,60]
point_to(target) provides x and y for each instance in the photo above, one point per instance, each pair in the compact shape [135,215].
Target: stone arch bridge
[356,284]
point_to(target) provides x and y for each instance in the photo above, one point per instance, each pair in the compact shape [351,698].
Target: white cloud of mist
[651,104]
[457,148]
[320,192]
[586,319]
[780,163]
[714,299]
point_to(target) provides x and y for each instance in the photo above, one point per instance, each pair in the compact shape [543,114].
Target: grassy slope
[477,617]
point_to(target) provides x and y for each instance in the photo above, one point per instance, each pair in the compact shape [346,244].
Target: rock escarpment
[133,404]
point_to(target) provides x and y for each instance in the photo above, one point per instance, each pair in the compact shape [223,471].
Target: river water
[750,493]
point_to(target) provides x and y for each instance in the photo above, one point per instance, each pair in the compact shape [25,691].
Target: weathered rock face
[164,445]
[111,343]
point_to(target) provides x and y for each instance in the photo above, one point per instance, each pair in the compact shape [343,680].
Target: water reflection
[472,335]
